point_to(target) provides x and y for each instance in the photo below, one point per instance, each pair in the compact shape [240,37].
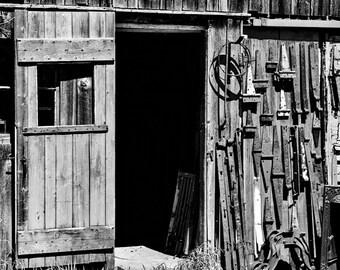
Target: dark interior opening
[160,83]
[334,238]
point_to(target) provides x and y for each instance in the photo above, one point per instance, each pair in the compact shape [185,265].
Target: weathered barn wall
[273,8]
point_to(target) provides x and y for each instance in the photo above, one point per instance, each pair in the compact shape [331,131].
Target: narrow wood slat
[304,7]
[316,7]
[110,136]
[50,182]
[36,187]
[325,7]
[190,5]
[64,168]
[275,6]
[6,194]
[56,241]
[81,187]
[35,145]
[335,8]
[21,120]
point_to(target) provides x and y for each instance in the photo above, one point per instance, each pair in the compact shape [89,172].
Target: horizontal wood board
[65,50]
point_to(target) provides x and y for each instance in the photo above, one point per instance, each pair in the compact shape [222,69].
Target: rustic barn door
[64,83]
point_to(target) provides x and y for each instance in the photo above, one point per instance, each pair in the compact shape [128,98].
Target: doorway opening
[159,116]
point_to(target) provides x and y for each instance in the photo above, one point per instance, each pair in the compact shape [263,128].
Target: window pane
[65,95]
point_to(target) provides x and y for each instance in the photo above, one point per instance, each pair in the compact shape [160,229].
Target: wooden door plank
[64,30]
[36,187]
[50,153]
[21,121]
[97,179]
[110,96]
[6,193]
[304,7]
[335,9]
[35,158]
[81,186]
[325,8]
[64,187]
[50,187]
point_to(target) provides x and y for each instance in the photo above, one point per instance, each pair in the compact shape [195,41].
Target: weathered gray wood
[54,241]
[6,194]
[64,129]
[65,50]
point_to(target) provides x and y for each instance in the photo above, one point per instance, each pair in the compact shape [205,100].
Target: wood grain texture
[6,193]
[65,240]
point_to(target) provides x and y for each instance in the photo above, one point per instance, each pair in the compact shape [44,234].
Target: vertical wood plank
[64,187]
[20,31]
[97,141]
[304,7]
[36,150]
[120,3]
[6,194]
[325,8]
[36,188]
[110,158]
[67,84]
[50,150]
[335,9]
[81,187]
[50,153]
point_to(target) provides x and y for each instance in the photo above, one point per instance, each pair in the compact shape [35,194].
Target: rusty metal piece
[260,83]
[266,157]
[257,153]
[266,118]
[271,66]
[295,64]
[286,156]
[314,73]
[283,112]
[268,216]
[295,159]
[303,161]
[277,177]
[249,128]
[304,79]
[316,130]
[250,96]
[285,72]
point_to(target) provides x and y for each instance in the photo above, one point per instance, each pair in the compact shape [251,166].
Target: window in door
[65,94]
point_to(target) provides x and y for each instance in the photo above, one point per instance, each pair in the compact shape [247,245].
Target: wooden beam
[288,23]
[124,10]
[179,12]
[61,241]
[64,129]
[65,50]
[133,27]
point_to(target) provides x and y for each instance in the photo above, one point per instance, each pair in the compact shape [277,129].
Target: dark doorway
[159,97]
